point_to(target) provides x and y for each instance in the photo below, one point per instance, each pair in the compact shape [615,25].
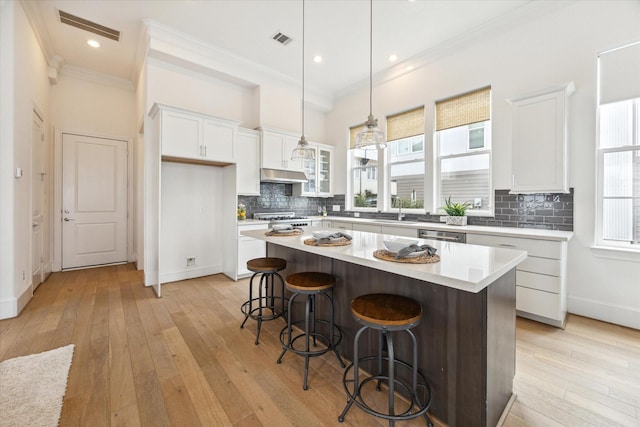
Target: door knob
[69,219]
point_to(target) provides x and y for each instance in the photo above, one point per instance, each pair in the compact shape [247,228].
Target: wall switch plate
[336,208]
[191,261]
[356,214]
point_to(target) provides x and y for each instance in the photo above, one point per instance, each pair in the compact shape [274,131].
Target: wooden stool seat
[310,281]
[266,265]
[386,309]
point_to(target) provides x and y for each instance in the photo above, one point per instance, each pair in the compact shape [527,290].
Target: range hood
[285,176]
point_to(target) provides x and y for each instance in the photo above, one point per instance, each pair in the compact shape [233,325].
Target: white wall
[86,106]
[553,49]
[24,85]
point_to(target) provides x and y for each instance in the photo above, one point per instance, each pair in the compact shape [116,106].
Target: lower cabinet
[249,248]
[370,228]
[399,231]
[541,282]
[337,224]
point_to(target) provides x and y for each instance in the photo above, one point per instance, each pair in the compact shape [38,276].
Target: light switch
[18,172]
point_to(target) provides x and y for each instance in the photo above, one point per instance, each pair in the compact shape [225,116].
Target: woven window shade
[353,131]
[465,109]
[405,125]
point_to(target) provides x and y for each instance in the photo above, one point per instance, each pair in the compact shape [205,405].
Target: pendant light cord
[303,67]
[370,57]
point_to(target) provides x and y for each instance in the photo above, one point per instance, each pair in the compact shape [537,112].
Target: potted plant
[456,212]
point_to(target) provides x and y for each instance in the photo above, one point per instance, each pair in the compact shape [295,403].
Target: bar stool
[263,307]
[310,284]
[386,313]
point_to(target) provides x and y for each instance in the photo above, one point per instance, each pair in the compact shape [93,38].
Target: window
[463,150]
[405,159]
[618,152]
[364,174]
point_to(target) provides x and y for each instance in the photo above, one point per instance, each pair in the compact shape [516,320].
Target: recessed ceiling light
[317,58]
[393,58]
[93,43]
[409,68]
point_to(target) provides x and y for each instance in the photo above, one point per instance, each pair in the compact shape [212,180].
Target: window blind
[353,131]
[405,125]
[620,74]
[465,109]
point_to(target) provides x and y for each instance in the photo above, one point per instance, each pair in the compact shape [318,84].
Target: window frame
[389,164]
[599,241]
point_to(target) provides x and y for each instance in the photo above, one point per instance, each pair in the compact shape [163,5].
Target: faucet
[400,214]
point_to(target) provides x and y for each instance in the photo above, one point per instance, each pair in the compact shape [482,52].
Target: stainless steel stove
[284,218]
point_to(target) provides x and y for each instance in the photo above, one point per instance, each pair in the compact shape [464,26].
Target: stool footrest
[416,407]
[288,343]
[249,308]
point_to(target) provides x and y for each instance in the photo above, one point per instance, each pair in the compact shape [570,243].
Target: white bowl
[396,245]
[322,234]
[279,227]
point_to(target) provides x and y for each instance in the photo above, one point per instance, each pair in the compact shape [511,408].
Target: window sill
[620,254]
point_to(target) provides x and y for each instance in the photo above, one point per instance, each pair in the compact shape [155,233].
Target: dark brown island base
[467,334]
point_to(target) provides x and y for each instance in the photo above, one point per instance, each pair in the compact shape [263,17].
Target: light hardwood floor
[182,360]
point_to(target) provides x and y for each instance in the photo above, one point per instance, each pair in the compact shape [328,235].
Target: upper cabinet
[540,141]
[190,136]
[276,150]
[319,172]
[248,162]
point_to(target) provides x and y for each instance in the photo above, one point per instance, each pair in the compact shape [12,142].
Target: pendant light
[303,150]
[370,135]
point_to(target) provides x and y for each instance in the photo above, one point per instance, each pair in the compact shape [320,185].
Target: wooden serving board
[286,233]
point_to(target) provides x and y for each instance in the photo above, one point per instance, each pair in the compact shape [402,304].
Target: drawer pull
[506,245]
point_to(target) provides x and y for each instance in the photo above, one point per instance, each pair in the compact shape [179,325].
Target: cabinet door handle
[506,245]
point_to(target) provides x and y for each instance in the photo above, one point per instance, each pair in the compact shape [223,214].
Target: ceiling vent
[282,38]
[92,27]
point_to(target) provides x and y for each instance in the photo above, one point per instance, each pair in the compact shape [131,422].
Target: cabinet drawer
[366,227]
[534,247]
[538,281]
[537,302]
[547,266]
[399,231]
[341,225]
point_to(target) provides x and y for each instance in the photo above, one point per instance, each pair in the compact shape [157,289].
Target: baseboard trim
[190,273]
[11,307]
[613,313]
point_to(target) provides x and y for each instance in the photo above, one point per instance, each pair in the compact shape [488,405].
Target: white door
[94,201]
[37,201]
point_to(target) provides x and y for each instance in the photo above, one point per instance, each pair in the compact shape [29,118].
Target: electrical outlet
[336,208]
[191,261]
[443,219]
[356,214]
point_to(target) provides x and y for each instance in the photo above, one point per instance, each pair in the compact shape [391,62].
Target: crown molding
[170,45]
[526,13]
[96,77]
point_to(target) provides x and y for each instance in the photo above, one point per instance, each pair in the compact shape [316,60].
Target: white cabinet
[186,135]
[540,142]
[399,231]
[248,162]
[319,172]
[277,147]
[370,228]
[541,290]
[337,224]
[249,248]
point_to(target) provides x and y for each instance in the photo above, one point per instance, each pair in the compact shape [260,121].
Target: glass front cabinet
[319,173]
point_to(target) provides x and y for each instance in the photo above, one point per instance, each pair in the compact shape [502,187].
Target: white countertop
[466,267]
[530,233]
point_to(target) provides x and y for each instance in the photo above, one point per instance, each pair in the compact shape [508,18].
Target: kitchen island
[467,334]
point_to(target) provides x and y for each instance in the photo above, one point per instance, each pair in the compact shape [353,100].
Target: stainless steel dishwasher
[448,236]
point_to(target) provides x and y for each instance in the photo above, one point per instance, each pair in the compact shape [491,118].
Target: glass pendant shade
[370,136]
[303,150]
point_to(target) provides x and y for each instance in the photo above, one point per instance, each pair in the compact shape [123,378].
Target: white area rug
[32,388]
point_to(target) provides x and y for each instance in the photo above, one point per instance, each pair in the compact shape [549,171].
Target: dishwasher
[448,236]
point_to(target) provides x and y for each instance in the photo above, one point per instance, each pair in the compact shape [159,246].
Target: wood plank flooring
[182,360]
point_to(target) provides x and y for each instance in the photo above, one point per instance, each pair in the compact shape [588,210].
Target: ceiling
[336,29]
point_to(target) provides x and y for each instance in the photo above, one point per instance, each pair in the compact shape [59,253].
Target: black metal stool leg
[391,373]
[248,313]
